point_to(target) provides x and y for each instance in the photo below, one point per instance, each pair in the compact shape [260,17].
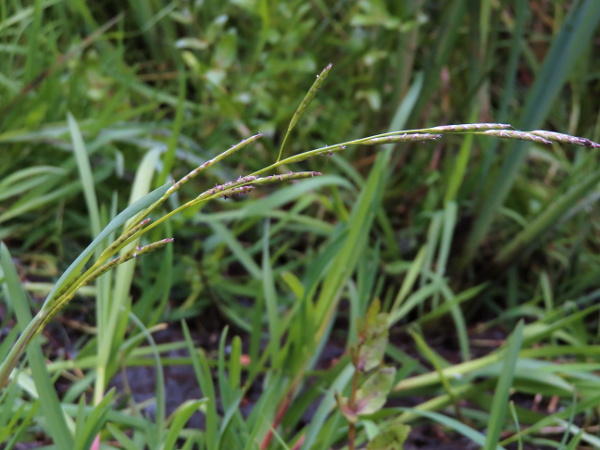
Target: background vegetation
[258,327]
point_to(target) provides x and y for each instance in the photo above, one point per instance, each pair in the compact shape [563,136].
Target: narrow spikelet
[227,187]
[103,269]
[310,95]
[406,137]
[154,246]
[211,162]
[241,185]
[126,235]
[138,251]
[194,173]
[514,134]
[471,127]
[285,177]
[304,104]
[565,138]
[237,191]
[240,180]
[110,250]
[132,253]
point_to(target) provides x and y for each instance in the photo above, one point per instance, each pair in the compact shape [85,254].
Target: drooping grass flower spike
[135,220]
[500,130]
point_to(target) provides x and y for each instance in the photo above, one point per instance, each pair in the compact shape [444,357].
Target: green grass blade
[178,420]
[204,376]
[121,437]
[268,284]
[508,89]
[30,204]
[236,248]
[515,417]
[574,443]
[85,174]
[158,430]
[457,174]
[225,392]
[235,363]
[94,423]
[453,424]
[34,32]
[169,156]
[327,403]
[591,401]
[502,393]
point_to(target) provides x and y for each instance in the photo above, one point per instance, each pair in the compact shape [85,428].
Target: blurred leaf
[501,395]
[371,396]
[89,427]
[374,339]
[178,420]
[373,393]
[226,51]
[392,438]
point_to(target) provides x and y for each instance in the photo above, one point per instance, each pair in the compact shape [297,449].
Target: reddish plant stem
[299,443]
[352,400]
[278,418]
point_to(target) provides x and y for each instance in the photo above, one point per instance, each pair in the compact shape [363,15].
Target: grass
[457,261]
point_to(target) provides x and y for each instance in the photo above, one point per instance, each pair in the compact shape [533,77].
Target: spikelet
[565,138]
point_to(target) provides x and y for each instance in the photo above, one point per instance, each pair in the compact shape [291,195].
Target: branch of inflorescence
[500,130]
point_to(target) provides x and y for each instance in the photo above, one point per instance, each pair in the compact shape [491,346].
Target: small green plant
[372,381]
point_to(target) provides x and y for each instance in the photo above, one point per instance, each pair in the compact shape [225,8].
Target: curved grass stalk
[141,224]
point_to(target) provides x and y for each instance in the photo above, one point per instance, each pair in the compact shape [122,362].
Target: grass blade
[85,174]
[453,424]
[178,420]
[502,394]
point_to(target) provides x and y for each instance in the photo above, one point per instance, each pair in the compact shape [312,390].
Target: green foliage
[479,239]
